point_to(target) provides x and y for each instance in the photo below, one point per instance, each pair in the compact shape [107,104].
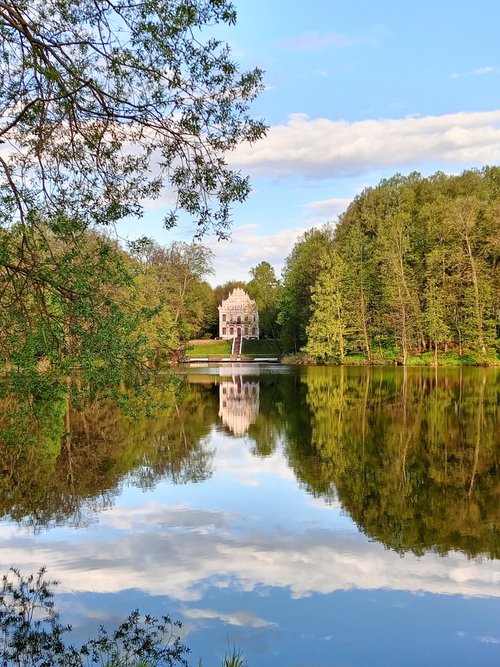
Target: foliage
[94,94]
[264,289]
[173,285]
[299,275]
[31,634]
[104,106]
[326,328]
[234,659]
[419,271]
[72,310]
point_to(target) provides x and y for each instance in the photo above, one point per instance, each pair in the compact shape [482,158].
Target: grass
[390,356]
[261,348]
[208,348]
[222,348]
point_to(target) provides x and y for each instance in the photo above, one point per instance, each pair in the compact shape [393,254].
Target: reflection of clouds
[243,618]
[182,560]
[243,466]
[489,640]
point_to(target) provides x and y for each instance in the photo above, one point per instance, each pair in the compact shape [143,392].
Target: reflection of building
[238,316]
[238,404]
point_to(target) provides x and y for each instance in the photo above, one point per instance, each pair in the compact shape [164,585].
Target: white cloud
[248,247]
[480,71]
[326,210]
[483,70]
[324,148]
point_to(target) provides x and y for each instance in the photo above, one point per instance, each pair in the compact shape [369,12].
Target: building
[238,316]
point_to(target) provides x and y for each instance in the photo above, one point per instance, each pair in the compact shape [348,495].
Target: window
[223,331]
[231,331]
[224,317]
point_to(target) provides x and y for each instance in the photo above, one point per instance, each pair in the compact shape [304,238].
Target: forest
[409,274]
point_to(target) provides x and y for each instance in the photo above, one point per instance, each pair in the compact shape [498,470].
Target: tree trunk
[477,304]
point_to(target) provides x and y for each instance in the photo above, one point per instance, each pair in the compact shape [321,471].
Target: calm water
[311,517]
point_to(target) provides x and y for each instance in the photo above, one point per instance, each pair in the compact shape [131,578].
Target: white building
[238,316]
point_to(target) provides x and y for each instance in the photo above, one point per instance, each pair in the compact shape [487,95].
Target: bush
[32,636]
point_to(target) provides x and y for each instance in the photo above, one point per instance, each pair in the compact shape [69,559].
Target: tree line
[411,270]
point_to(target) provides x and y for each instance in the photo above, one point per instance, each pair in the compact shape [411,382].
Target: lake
[309,516]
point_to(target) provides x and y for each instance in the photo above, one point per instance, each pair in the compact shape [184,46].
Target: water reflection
[413,456]
[94,455]
[290,539]
[238,404]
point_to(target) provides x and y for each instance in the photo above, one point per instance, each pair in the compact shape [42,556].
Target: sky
[354,92]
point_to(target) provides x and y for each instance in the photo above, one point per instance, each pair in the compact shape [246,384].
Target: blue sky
[355,91]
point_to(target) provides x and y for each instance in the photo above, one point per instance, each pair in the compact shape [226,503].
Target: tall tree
[326,329]
[302,267]
[264,289]
[179,271]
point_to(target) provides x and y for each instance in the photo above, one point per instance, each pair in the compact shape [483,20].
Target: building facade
[238,316]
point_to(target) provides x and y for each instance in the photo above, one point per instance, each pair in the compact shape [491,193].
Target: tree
[326,328]
[435,317]
[264,289]
[302,267]
[104,106]
[178,271]
[71,311]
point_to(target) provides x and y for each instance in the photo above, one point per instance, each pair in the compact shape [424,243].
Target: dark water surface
[309,516]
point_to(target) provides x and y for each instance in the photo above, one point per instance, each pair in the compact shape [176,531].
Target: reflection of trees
[414,455]
[97,452]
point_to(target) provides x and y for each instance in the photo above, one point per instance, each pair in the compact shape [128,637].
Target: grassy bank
[261,348]
[216,349]
[208,348]
[390,357]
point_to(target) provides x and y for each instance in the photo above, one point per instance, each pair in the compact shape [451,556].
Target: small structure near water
[238,316]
